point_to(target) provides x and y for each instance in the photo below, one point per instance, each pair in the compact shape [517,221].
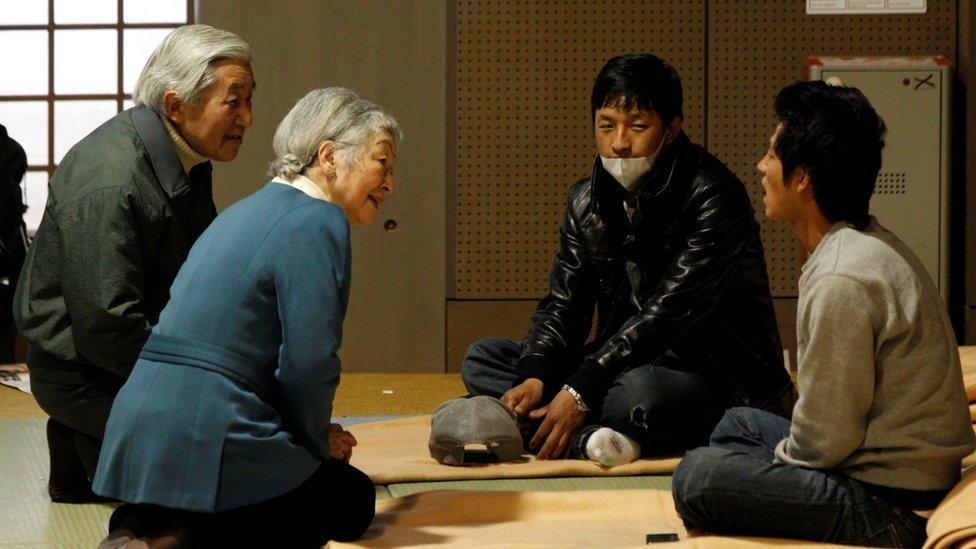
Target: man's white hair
[185,62]
[327,114]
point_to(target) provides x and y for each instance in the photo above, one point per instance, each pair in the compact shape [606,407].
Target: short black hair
[643,80]
[836,136]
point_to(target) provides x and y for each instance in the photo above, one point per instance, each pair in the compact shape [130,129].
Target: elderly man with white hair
[125,206]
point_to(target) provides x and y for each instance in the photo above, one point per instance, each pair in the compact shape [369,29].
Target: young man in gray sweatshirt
[882,423]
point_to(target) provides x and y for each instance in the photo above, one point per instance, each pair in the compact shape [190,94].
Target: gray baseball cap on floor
[476,420]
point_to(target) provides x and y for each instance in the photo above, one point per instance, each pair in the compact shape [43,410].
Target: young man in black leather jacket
[661,243]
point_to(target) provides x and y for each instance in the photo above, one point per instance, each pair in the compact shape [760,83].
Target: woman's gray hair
[327,114]
[185,62]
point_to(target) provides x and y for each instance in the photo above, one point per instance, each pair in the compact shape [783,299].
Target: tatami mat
[29,519]
[17,404]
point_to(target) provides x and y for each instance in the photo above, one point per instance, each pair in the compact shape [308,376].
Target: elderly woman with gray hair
[125,206]
[223,433]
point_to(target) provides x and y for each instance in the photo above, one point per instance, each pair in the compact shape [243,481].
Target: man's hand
[524,397]
[340,442]
[562,421]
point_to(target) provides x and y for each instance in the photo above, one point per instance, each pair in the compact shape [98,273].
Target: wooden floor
[358,395]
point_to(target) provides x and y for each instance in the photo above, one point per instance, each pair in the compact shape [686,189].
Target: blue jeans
[662,405]
[734,487]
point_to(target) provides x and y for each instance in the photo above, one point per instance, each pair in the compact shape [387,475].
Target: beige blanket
[967,355]
[953,524]
[396,451]
[599,518]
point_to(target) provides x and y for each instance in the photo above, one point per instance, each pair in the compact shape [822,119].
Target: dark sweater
[120,219]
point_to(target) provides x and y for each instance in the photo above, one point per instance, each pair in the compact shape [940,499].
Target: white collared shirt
[305,185]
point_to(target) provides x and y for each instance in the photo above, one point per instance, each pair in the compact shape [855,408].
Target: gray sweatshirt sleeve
[836,373]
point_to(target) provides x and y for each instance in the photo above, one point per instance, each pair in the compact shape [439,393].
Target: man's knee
[738,421]
[473,366]
[472,374]
[694,483]
[635,388]
[642,397]
[487,361]
[738,418]
[469,372]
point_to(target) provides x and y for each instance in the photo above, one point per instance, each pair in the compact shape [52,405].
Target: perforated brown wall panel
[524,73]
[757,47]
[964,188]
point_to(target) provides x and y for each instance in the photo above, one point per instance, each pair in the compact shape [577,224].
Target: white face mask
[627,171]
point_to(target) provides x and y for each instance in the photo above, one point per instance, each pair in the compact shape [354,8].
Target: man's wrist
[533,366]
[580,404]
[589,383]
[533,381]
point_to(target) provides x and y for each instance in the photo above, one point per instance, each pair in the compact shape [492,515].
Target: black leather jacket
[685,274]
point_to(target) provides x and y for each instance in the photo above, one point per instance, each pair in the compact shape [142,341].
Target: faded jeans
[661,405]
[734,487]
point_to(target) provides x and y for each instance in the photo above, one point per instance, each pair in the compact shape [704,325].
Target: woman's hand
[340,442]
